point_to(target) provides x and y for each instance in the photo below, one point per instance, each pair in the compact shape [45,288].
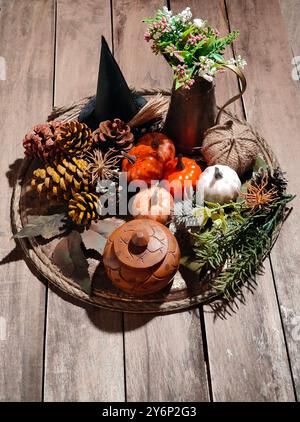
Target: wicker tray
[184,293]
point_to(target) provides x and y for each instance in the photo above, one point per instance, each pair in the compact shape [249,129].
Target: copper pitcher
[193,111]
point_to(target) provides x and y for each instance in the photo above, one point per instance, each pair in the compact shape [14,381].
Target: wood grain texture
[142,69]
[79,29]
[26,95]
[247,356]
[290,10]
[164,355]
[273,104]
[164,358]
[84,348]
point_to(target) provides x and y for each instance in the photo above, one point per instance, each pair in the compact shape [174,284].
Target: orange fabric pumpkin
[141,163]
[182,172]
[161,144]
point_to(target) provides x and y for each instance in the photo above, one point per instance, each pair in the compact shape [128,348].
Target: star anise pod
[259,192]
[102,166]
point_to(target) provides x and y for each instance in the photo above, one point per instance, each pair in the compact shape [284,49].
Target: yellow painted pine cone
[74,138]
[83,208]
[62,178]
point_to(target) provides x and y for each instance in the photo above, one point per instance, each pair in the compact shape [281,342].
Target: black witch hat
[113,99]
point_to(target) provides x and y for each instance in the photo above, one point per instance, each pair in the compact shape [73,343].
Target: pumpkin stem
[180,166]
[218,174]
[130,158]
[154,197]
[155,143]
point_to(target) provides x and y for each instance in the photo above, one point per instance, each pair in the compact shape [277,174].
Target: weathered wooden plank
[84,349]
[247,355]
[164,358]
[26,50]
[163,355]
[272,104]
[141,67]
[290,10]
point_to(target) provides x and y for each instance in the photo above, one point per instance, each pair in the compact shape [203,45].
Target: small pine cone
[83,208]
[40,142]
[113,134]
[62,178]
[74,138]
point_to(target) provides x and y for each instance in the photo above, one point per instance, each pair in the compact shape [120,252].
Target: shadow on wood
[13,172]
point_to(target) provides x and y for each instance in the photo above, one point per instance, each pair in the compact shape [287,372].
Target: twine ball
[232,144]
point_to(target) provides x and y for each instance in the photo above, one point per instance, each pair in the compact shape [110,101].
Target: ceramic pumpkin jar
[155,203]
[141,257]
[141,163]
[161,144]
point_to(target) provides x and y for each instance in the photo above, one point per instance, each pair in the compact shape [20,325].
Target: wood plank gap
[45,341]
[112,26]
[283,329]
[234,55]
[46,281]
[122,317]
[54,57]
[124,358]
[205,352]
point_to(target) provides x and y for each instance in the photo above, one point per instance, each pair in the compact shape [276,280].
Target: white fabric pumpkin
[219,184]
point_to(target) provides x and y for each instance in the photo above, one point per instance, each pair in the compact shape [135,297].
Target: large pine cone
[62,178]
[113,134]
[74,138]
[40,142]
[83,208]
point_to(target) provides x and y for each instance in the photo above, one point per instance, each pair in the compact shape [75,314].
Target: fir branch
[253,241]
[241,249]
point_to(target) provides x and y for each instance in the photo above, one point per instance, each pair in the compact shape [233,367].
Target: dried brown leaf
[93,240]
[47,226]
[69,257]
[106,226]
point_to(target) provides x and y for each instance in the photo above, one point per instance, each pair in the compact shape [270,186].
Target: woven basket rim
[51,272]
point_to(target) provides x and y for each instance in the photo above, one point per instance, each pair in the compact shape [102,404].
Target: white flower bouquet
[191,46]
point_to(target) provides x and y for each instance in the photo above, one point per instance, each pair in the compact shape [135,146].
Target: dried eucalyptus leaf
[107,226]
[69,257]
[47,226]
[94,240]
[260,164]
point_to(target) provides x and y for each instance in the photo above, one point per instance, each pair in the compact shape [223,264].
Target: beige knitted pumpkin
[232,144]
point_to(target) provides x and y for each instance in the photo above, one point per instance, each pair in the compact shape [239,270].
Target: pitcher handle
[242,78]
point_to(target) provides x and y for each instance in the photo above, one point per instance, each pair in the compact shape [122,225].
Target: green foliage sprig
[191,46]
[235,238]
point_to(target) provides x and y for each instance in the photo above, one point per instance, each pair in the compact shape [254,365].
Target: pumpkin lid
[140,243]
